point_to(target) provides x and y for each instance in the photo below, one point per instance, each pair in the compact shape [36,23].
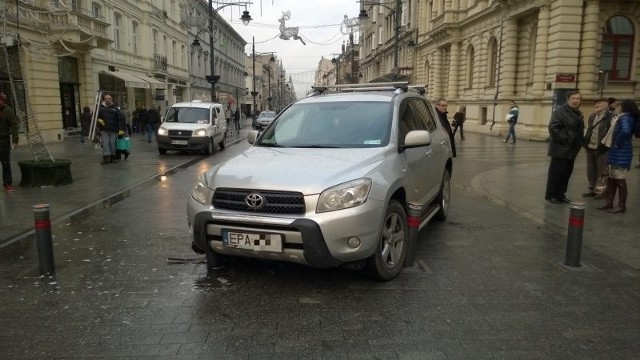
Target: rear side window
[414,115]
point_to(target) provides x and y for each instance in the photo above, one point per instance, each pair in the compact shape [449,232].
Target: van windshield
[188,115]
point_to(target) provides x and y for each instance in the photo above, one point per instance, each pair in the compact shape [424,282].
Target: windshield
[332,125]
[267,114]
[188,115]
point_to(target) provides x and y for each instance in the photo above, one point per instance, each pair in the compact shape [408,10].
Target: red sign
[565,78]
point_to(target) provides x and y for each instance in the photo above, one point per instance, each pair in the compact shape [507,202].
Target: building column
[540,63]
[439,73]
[454,68]
[509,56]
[588,70]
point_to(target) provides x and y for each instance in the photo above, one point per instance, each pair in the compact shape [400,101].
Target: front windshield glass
[188,115]
[332,125]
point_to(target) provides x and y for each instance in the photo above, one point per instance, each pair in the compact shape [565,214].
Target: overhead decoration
[287,33]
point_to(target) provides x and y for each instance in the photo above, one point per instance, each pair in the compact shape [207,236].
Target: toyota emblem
[254,200]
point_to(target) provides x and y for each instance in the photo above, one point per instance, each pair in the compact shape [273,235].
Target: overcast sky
[319,26]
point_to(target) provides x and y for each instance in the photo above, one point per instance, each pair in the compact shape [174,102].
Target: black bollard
[413,220]
[574,234]
[43,238]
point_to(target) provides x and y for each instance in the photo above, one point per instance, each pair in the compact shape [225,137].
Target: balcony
[78,27]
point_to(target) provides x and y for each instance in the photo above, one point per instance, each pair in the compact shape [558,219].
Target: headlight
[199,132]
[343,196]
[201,192]
[163,131]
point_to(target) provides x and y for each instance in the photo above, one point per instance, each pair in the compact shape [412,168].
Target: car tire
[223,143]
[444,197]
[387,261]
[162,151]
[209,149]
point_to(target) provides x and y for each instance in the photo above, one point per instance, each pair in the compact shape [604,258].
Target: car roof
[196,104]
[381,92]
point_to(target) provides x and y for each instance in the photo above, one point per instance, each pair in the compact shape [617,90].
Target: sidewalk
[93,184]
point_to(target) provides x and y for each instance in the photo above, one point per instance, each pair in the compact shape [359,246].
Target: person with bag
[8,140]
[153,121]
[598,125]
[620,156]
[512,120]
[111,124]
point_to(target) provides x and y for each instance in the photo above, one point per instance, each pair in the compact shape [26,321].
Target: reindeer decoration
[287,33]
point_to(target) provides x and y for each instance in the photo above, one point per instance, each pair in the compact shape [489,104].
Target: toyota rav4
[347,176]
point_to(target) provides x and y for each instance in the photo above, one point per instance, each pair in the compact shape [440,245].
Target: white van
[193,126]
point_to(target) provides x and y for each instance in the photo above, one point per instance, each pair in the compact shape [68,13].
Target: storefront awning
[129,79]
[154,83]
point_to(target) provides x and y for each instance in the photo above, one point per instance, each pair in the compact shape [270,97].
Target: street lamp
[336,62]
[363,16]
[272,59]
[246,18]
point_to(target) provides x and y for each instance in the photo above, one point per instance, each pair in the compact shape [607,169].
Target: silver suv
[347,176]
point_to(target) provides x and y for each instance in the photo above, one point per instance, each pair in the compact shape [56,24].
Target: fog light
[353,242]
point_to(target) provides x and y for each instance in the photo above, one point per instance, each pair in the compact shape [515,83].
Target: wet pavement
[489,283]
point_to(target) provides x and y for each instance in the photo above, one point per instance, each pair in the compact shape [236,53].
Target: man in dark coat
[8,141]
[566,134]
[597,127]
[111,123]
[441,108]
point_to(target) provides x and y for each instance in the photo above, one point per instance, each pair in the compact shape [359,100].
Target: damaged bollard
[43,238]
[574,234]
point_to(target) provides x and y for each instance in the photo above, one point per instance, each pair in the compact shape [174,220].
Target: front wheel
[387,261]
[223,143]
[162,151]
[209,149]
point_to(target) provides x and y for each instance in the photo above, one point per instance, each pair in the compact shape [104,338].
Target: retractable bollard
[413,220]
[574,234]
[43,238]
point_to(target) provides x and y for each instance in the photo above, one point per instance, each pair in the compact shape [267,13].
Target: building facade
[227,60]
[482,54]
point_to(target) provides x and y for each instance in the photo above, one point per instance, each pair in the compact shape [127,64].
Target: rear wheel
[444,197]
[387,261]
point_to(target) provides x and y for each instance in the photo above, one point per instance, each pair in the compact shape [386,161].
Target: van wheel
[162,151]
[387,261]
[209,149]
[223,143]
[444,197]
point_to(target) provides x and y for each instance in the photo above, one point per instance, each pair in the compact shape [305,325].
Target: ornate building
[482,54]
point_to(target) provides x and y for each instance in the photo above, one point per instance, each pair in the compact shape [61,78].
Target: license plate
[252,241]
[179,142]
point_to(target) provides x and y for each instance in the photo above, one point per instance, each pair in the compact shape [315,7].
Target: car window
[409,120]
[423,114]
[188,115]
[335,124]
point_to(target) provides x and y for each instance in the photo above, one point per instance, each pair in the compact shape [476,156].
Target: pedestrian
[620,156]
[596,152]
[441,109]
[8,140]
[566,132]
[612,103]
[236,120]
[458,122]
[512,120]
[111,122]
[85,123]
[153,121]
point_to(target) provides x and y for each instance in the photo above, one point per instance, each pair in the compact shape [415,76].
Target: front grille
[180,133]
[275,202]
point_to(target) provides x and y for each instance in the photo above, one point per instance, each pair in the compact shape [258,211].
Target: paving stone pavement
[489,283]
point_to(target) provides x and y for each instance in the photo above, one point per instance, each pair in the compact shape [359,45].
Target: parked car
[193,126]
[339,178]
[264,119]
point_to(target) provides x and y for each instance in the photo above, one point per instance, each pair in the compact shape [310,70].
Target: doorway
[70,106]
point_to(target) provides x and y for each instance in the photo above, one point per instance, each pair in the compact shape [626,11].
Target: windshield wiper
[266,144]
[316,146]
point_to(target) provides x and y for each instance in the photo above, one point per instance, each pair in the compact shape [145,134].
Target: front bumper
[320,240]
[184,144]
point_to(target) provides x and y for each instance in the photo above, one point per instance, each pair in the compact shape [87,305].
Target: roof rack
[399,85]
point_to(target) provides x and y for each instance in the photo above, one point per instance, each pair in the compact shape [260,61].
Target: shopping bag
[123,144]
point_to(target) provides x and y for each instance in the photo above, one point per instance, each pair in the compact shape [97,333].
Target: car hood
[309,171]
[183,126]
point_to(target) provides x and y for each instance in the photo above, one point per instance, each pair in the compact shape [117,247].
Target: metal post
[574,234]
[211,49]
[396,40]
[43,238]
[254,93]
